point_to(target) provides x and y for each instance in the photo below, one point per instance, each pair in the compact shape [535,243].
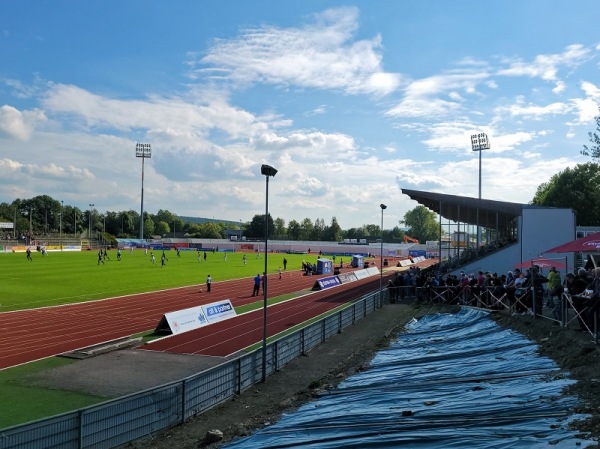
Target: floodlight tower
[144,151]
[479,142]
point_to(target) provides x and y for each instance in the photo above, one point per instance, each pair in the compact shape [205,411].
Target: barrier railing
[119,421]
[565,309]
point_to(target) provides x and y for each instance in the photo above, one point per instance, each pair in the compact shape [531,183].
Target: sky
[351,101]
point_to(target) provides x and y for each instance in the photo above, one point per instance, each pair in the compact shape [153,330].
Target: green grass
[23,401]
[70,277]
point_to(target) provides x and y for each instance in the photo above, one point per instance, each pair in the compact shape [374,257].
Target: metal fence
[522,301]
[138,415]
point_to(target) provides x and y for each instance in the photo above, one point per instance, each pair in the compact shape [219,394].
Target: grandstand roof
[461,209]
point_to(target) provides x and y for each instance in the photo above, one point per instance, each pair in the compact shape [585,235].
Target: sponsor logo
[219,308]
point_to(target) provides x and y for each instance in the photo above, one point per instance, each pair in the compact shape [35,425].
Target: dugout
[324,266]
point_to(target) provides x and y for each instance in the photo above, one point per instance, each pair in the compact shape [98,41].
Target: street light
[90,222]
[240,229]
[144,151]
[383,207]
[267,171]
[479,142]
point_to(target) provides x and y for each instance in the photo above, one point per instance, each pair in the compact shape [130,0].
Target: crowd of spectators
[525,291]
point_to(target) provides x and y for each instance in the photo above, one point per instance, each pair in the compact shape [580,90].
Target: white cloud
[587,108]
[20,125]
[421,97]
[320,55]
[559,87]
[536,112]
[546,67]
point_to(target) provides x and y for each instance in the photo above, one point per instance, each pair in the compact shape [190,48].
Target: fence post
[183,393]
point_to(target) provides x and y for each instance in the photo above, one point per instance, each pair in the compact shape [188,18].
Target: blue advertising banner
[327,282]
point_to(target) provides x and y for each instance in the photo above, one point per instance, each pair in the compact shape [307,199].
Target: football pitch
[71,277]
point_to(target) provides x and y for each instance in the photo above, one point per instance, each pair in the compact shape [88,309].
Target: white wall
[539,229]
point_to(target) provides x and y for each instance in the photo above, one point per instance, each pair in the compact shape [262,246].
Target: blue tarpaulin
[450,381]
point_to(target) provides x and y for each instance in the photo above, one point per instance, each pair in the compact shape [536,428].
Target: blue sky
[349,101]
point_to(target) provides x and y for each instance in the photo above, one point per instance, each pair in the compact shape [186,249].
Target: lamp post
[240,229]
[144,151]
[383,207]
[75,222]
[267,171]
[90,222]
[479,142]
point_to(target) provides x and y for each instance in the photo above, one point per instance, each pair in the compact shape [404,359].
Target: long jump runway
[34,334]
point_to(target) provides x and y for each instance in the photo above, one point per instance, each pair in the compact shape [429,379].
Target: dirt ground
[575,352]
[351,351]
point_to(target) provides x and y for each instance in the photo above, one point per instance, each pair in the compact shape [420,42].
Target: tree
[575,188]
[162,228]
[318,230]
[148,227]
[422,223]
[294,230]
[333,233]
[306,228]
[211,230]
[256,228]
[280,231]
[593,151]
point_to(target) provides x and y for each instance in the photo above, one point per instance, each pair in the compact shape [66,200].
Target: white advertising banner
[195,317]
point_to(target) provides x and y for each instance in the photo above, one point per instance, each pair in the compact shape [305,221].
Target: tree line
[44,215]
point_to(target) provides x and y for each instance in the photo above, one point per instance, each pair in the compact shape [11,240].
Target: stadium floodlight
[60,222]
[143,150]
[479,142]
[267,171]
[90,221]
[383,207]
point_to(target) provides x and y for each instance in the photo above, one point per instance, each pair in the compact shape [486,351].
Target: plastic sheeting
[451,381]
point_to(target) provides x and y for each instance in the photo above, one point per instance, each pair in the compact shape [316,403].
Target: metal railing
[528,301]
[122,420]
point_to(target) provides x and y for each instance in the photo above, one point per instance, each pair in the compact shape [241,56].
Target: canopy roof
[542,262]
[462,209]
[589,243]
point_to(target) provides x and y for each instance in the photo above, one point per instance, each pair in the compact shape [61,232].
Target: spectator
[575,286]
[554,291]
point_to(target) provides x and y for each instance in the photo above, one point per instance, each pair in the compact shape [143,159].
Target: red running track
[34,334]
[230,336]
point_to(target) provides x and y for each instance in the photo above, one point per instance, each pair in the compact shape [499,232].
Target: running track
[230,336]
[34,334]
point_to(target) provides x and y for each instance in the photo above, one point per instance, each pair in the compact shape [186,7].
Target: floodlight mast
[143,150]
[479,142]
